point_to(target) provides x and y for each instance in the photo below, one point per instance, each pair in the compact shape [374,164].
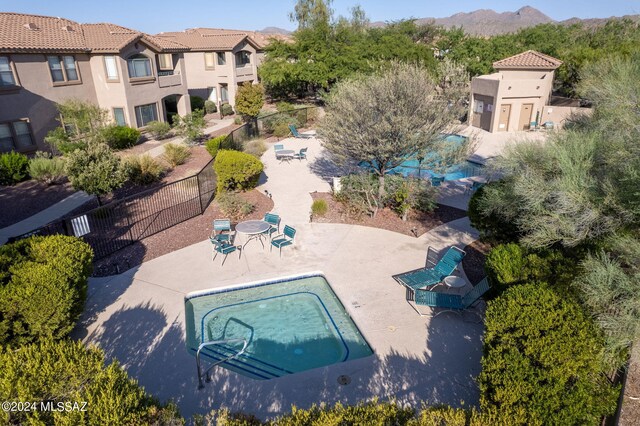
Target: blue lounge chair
[425,277]
[221,230]
[273,220]
[451,302]
[437,180]
[297,134]
[221,247]
[284,239]
[302,154]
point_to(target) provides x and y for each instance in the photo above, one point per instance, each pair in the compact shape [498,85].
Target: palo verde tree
[395,114]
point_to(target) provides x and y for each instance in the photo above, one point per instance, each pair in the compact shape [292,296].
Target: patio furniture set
[421,284]
[289,154]
[223,238]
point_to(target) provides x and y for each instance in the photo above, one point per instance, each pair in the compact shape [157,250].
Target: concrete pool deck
[138,317]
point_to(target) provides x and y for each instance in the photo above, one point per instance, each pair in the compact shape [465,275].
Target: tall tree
[312,13]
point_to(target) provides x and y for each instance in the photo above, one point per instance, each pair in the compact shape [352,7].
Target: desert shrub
[59,140]
[249,100]
[69,372]
[233,206]
[210,107]
[191,126]
[407,194]
[284,106]
[45,169]
[542,361]
[120,137]
[143,169]
[158,129]
[14,168]
[219,142]
[359,194]
[196,103]
[238,120]
[226,109]
[43,287]
[490,224]
[281,130]
[255,147]
[319,208]
[313,114]
[95,170]
[270,122]
[236,170]
[176,154]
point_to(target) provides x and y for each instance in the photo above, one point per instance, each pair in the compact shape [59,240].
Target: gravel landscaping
[25,199]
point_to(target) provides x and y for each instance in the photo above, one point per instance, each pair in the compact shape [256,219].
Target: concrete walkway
[138,317]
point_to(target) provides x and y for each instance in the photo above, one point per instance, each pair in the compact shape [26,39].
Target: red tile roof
[201,39]
[528,60]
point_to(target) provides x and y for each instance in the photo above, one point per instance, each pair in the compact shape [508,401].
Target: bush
[359,194]
[95,170]
[14,168]
[158,129]
[68,372]
[284,106]
[407,194]
[176,154]
[210,107]
[236,170]
[191,126]
[237,120]
[491,226]
[281,130]
[120,137]
[197,103]
[143,169]
[45,169]
[233,206]
[219,142]
[255,147]
[542,361]
[226,109]
[319,208]
[43,287]
[249,100]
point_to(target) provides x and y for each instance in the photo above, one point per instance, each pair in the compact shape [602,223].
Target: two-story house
[45,60]
[218,61]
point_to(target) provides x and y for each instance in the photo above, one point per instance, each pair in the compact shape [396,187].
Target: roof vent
[67,28]
[31,26]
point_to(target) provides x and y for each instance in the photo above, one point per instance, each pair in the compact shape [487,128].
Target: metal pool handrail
[216,342]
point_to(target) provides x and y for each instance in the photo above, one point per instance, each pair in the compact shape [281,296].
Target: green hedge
[14,168]
[543,361]
[219,142]
[120,137]
[236,170]
[43,287]
[67,372]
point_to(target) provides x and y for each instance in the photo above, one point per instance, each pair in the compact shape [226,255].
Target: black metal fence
[116,225]
[269,125]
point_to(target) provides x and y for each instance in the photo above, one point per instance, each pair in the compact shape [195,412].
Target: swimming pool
[413,168]
[291,325]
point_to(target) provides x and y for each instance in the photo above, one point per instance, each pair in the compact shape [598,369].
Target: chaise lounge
[425,277]
[450,302]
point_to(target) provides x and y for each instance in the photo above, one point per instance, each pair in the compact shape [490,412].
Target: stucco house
[516,95]
[45,60]
[218,61]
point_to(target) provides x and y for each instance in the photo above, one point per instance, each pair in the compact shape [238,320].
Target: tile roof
[528,60]
[33,33]
[206,38]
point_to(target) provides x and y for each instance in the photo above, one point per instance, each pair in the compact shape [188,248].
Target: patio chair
[273,220]
[221,230]
[284,239]
[302,154]
[437,180]
[474,187]
[221,247]
[425,277]
[297,134]
[277,148]
[451,302]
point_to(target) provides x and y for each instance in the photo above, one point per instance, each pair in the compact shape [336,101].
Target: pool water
[291,326]
[413,168]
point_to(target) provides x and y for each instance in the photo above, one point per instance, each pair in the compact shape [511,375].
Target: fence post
[200,193]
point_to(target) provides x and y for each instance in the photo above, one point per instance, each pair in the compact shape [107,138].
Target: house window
[15,136]
[166,61]
[208,61]
[111,67]
[243,58]
[146,114]
[139,66]
[6,72]
[63,68]
[224,93]
[222,60]
[118,115]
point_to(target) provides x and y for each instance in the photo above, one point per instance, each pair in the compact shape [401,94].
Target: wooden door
[525,116]
[505,112]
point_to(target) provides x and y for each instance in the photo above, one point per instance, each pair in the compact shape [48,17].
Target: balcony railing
[169,80]
[163,73]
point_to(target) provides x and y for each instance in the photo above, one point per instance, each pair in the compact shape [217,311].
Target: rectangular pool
[292,325]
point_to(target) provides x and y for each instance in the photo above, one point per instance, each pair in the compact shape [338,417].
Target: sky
[176,15]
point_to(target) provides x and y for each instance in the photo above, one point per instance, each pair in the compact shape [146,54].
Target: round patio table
[253,229]
[454,282]
[285,154]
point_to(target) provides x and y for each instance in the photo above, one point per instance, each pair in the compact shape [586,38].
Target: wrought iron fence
[267,125]
[116,225]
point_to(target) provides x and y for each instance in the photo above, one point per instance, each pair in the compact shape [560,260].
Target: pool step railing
[204,345]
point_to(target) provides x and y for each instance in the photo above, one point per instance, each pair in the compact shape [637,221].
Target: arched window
[243,58]
[139,66]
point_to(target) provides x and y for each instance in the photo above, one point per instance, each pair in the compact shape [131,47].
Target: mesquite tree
[393,115]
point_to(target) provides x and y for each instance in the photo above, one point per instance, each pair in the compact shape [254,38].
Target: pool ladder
[207,372]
